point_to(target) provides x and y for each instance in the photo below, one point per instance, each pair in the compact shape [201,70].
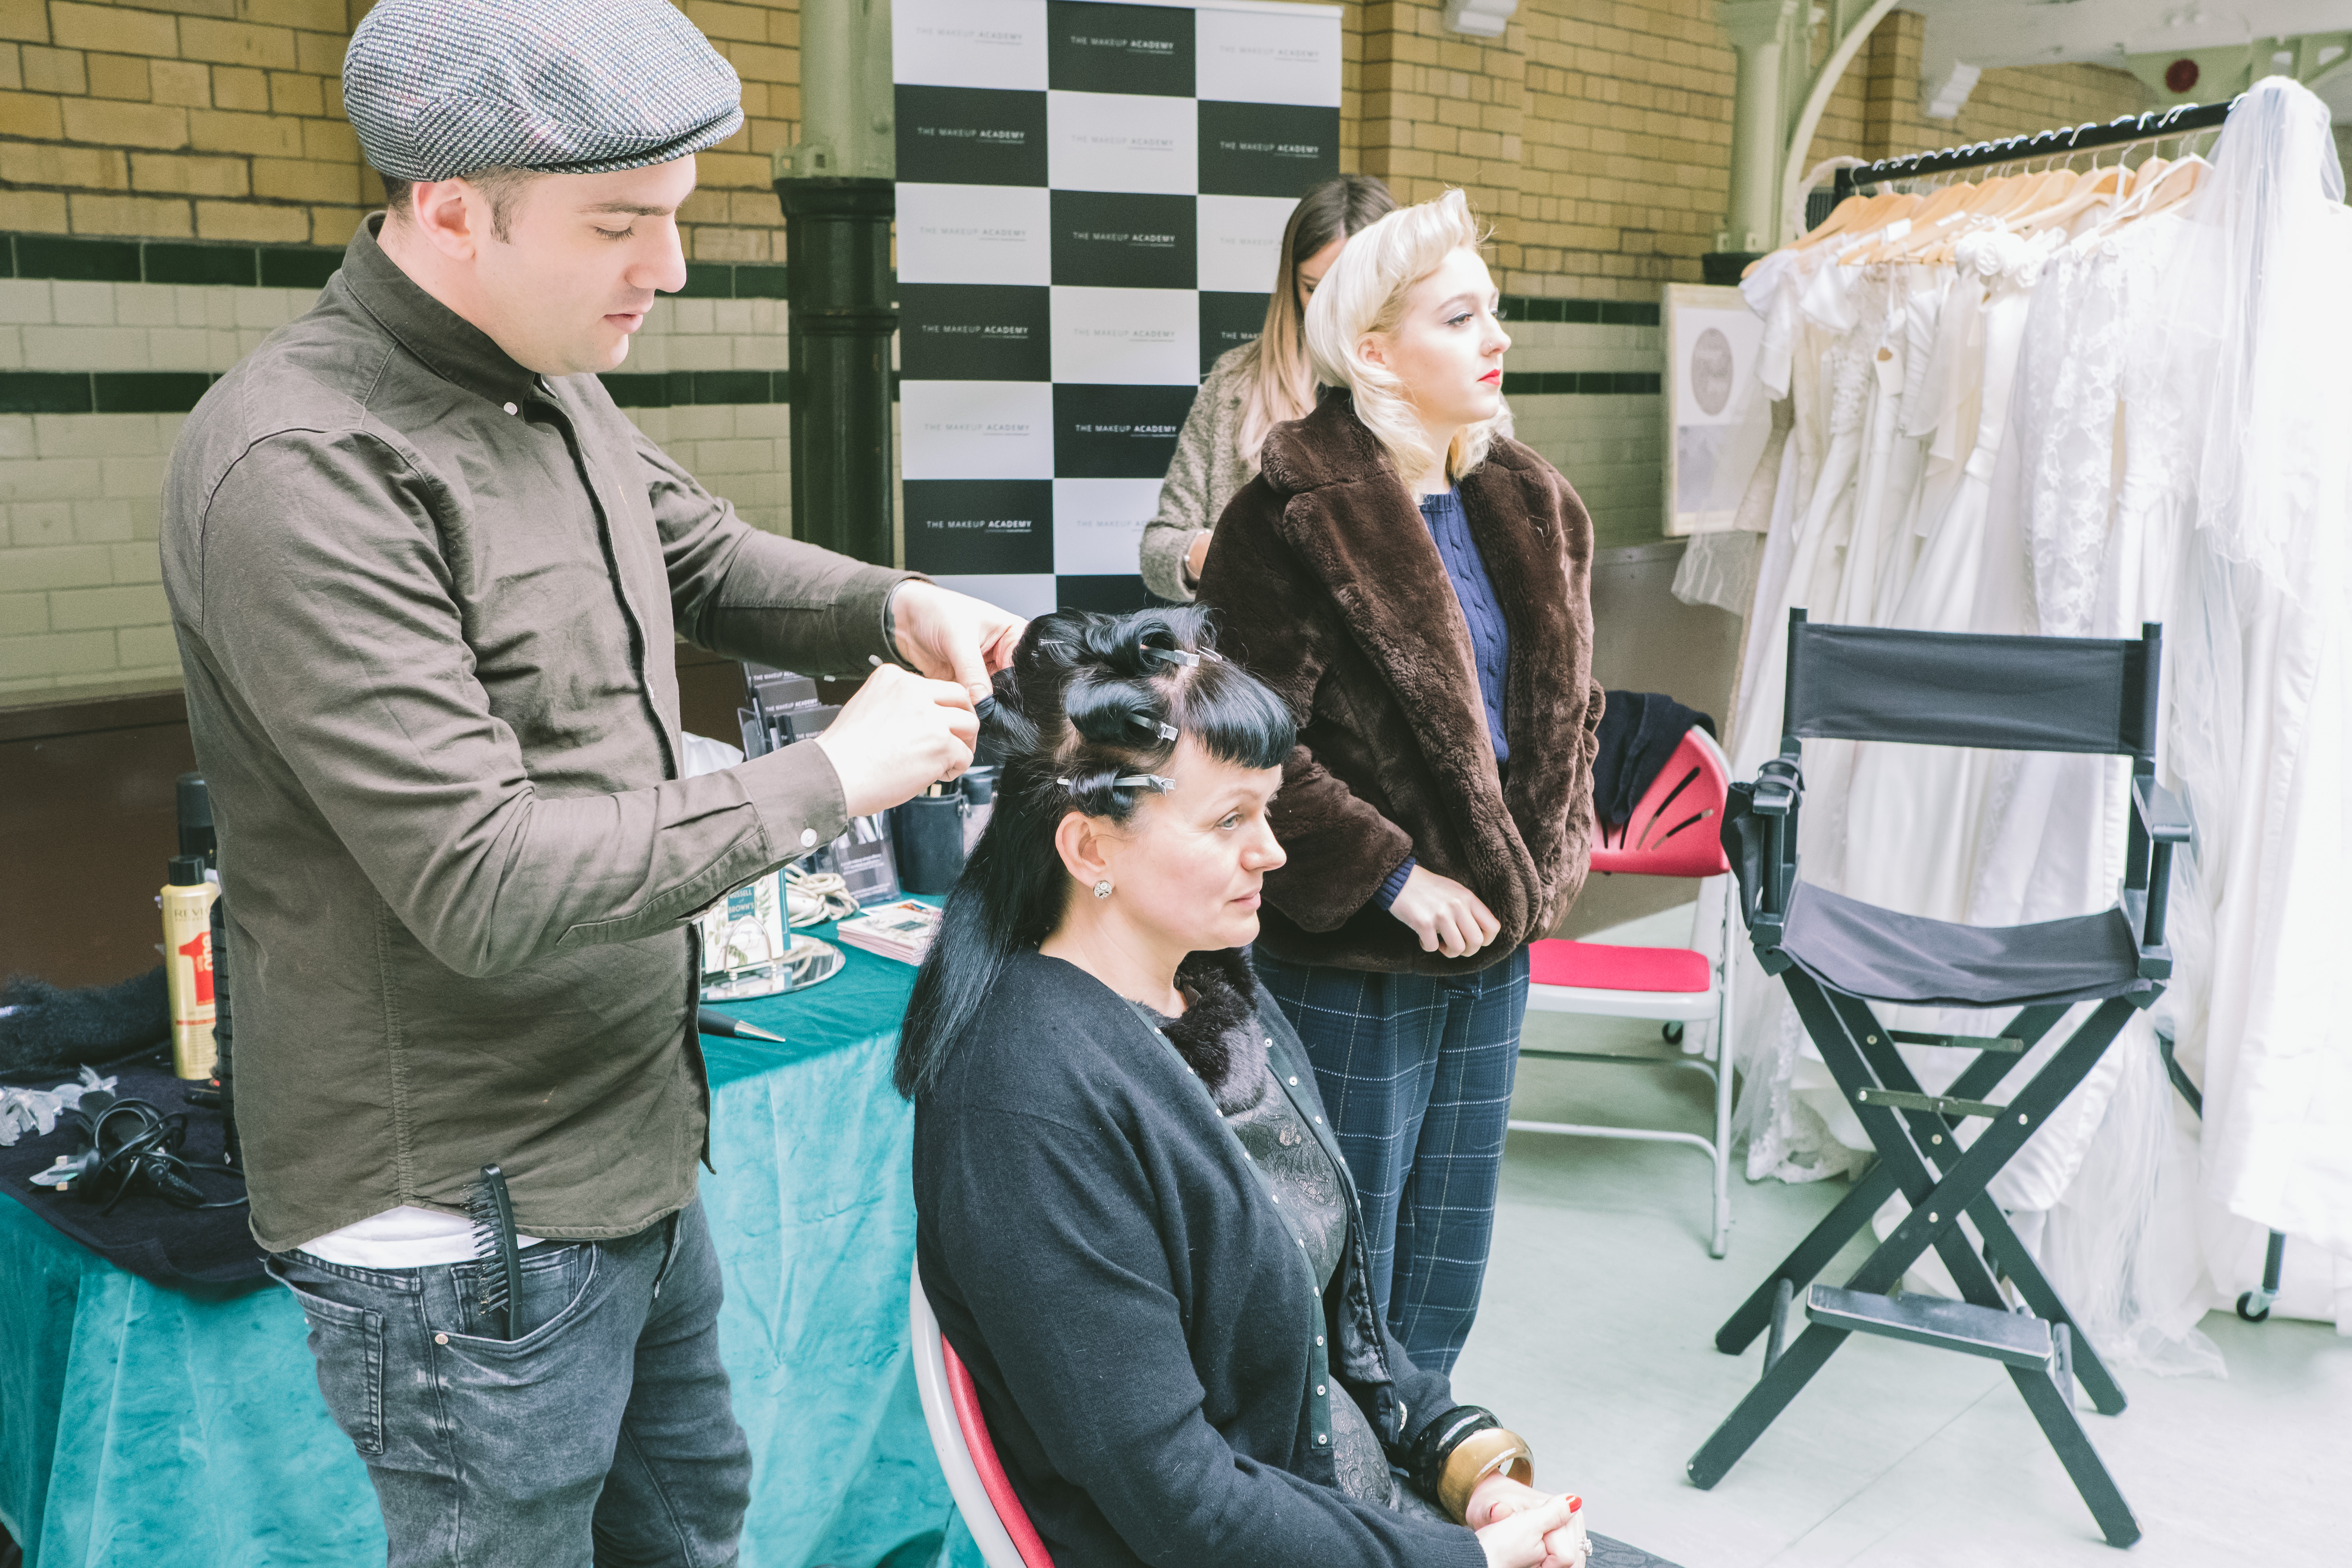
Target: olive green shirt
[426,602]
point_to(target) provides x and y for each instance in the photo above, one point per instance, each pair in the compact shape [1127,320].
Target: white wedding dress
[2069,439]
[2257,338]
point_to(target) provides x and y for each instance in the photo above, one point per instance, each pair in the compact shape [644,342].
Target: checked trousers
[1416,1074]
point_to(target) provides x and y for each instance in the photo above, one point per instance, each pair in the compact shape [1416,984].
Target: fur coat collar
[1329,585]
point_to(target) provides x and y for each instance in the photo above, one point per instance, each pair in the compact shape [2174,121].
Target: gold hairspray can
[187,901]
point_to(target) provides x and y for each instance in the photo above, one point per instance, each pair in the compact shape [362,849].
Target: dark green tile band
[148,391]
[1589,312]
[683,388]
[176,392]
[197,264]
[44,392]
[284,266]
[1581,383]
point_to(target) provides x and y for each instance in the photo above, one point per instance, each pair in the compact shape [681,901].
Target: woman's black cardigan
[1144,1331]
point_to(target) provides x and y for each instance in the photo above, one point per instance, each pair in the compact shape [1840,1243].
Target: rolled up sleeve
[343,638]
[748,595]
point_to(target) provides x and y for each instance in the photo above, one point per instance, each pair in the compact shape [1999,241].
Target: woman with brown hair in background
[1253,387]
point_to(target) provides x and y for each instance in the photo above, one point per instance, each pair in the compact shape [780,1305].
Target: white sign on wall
[1718,409]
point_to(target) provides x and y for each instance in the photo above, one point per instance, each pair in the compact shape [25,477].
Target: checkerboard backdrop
[1091,199]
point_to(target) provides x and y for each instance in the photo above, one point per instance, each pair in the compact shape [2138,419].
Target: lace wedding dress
[2144,424]
[2256,341]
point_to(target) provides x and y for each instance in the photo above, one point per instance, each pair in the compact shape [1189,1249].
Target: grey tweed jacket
[1207,469]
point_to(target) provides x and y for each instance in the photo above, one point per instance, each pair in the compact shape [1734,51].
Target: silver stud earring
[1102,889]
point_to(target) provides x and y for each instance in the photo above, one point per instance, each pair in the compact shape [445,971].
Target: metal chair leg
[1763,1404]
[1725,1082]
[1812,1255]
[2055,1413]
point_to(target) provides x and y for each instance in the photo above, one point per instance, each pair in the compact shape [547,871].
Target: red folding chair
[984,1494]
[1675,831]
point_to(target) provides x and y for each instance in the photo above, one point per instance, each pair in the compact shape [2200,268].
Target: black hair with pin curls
[1092,704]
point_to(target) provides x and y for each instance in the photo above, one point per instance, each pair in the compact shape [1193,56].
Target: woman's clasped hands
[1522,1527]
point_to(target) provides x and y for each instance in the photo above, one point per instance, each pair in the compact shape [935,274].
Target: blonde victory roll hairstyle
[1364,293]
[1280,386]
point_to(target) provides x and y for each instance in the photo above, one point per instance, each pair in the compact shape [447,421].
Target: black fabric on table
[1639,732]
[144,1235]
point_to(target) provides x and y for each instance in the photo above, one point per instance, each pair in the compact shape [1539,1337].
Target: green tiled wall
[284,266]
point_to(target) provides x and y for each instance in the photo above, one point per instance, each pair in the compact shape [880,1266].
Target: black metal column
[837,251]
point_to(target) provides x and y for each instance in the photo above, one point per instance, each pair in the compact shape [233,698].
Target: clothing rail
[2123,130]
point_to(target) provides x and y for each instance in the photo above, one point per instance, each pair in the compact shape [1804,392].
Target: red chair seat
[1597,966]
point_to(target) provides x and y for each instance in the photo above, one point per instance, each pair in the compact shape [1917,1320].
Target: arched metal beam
[1800,135]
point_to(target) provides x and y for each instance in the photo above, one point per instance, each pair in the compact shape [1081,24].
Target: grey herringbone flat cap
[441,88]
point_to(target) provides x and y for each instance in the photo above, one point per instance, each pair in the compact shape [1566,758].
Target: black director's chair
[1837,955]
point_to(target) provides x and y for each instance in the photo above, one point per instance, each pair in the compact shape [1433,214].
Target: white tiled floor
[1596,1341]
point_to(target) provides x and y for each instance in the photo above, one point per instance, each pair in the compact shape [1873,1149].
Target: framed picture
[1717,411]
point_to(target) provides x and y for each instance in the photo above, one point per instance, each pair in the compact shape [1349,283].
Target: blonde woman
[1414,583]
[1251,388]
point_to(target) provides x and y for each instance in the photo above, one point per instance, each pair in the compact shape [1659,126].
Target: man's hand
[1446,916]
[899,734]
[951,637]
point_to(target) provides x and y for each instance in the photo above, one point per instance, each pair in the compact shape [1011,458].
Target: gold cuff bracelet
[1475,1458]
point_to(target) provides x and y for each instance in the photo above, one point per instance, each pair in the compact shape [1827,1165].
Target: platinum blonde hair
[1364,293]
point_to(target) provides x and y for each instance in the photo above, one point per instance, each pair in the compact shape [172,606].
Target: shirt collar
[452,346]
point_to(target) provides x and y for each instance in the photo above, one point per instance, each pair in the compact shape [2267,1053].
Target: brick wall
[1595,138]
[81,597]
[1875,111]
[223,120]
[1592,137]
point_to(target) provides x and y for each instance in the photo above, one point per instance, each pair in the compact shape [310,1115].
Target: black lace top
[1219,1041]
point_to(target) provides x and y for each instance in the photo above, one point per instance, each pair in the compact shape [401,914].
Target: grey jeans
[602,1434]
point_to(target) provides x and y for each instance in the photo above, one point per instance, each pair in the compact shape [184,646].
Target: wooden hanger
[2089,190]
[1947,202]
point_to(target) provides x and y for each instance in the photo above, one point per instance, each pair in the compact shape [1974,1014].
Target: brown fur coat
[1328,586]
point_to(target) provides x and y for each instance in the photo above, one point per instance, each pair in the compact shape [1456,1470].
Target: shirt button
[1319,1339]
[440,1338]
[1318,1388]
[808,838]
[511,409]
[1294,1081]
[1321,1437]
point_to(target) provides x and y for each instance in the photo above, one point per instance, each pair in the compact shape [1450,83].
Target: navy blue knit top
[1490,640]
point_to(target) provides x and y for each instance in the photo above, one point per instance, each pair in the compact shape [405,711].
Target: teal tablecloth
[145,1426]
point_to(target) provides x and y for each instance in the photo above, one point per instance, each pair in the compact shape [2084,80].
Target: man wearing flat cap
[427,580]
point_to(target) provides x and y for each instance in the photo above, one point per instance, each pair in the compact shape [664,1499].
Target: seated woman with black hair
[1135,1227]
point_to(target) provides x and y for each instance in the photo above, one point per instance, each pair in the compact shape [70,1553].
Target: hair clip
[1173,654]
[1159,781]
[1166,731]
